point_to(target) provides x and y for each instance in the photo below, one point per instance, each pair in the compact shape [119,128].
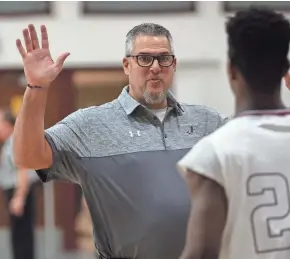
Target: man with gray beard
[123,153]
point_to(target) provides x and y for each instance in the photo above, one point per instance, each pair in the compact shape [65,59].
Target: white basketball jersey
[250,158]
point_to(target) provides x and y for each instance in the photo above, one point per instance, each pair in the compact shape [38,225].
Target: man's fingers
[20,48]
[60,61]
[44,37]
[27,40]
[33,36]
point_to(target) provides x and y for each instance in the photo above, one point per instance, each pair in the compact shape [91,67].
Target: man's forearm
[28,136]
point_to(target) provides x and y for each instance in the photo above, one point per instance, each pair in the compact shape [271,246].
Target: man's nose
[155,67]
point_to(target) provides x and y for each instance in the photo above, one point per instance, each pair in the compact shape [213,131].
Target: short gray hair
[146,29]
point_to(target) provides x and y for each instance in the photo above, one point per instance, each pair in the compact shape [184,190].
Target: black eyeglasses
[147,60]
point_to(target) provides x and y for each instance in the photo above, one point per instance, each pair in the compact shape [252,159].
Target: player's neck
[259,102]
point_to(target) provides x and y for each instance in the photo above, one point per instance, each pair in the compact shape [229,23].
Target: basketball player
[239,176]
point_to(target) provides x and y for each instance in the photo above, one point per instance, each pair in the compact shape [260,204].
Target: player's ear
[287,75]
[287,80]
[231,71]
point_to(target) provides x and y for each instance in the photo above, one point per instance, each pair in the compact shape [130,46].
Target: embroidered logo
[132,134]
[190,130]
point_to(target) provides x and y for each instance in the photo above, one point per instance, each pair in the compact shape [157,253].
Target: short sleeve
[203,160]
[68,140]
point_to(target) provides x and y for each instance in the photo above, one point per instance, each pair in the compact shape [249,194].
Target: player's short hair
[8,116]
[258,42]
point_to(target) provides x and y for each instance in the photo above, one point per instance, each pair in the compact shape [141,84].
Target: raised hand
[39,67]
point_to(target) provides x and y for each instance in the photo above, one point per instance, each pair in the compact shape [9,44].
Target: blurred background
[94,33]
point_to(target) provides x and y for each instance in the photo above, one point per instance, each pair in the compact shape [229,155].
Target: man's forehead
[151,44]
[153,52]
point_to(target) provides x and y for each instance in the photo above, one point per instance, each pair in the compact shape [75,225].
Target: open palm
[39,67]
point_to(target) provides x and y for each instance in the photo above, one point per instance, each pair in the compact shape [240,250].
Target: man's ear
[126,66]
[174,65]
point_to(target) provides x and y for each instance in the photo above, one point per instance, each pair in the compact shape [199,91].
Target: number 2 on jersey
[270,217]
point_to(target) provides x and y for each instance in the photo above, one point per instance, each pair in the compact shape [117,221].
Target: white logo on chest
[132,134]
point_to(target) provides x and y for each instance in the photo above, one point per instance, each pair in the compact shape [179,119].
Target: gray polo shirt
[125,159]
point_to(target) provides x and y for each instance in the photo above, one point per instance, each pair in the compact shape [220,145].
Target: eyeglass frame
[155,57]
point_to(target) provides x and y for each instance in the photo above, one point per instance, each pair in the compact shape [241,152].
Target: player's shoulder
[230,134]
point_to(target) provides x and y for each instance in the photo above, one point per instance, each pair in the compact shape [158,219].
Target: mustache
[154,78]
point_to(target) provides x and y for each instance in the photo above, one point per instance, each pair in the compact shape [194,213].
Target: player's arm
[203,170]
[207,218]
[22,185]
[17,203]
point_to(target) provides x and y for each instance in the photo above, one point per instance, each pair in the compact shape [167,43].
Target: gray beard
[154,98]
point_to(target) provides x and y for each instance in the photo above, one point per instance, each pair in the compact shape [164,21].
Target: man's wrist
[34,86]
[37,86]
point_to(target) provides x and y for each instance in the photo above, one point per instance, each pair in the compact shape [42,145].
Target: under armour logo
[132,134]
